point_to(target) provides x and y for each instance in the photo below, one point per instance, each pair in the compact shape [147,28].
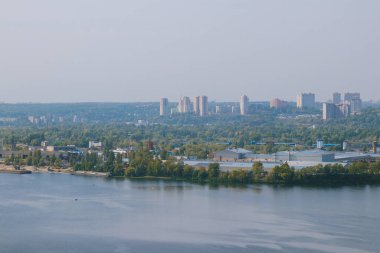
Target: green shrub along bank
[144,164]
[357,173]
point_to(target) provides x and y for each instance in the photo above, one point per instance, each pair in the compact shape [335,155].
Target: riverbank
[90,173]
[47,169]
[15,171]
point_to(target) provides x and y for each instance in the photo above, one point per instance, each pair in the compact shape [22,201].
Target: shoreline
[16,171]
[9,169]
[47,169]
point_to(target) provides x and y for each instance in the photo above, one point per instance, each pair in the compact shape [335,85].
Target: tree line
[143,163]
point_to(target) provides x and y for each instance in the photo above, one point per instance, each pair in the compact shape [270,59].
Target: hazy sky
[141,50]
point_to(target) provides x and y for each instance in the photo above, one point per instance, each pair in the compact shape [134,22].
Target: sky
[127,51]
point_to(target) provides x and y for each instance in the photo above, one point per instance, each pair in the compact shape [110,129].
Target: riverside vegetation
[143,164]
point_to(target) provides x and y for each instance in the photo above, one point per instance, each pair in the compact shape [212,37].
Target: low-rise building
[231,155]
[95,145]
[307,155]
[61,148]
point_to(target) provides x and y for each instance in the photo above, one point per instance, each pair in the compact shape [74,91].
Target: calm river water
[65,213]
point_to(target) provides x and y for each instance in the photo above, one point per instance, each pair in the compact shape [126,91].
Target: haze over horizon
[128,51]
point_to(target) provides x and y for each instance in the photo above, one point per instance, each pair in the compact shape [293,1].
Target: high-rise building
[331,111]
[354,100]
[337,98]
[350,96]
[345,108]
[277,103]
[196,105]
[184,105]
[203,106]
[356,105]
[244,101]
[164,107]
[306,100]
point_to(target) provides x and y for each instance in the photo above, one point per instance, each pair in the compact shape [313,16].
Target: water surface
[65,213]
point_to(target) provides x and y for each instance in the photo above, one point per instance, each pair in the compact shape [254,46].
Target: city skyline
[143,50]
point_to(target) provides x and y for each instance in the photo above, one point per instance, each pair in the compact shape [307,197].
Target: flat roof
[306,152]
[224,166]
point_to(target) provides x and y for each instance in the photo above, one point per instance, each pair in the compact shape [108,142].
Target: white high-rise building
[306,100]
[244,101]
[203,106]
[164,107]
[196,105]
[184,105]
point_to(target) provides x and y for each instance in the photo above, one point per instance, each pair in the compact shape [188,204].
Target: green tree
[213,171]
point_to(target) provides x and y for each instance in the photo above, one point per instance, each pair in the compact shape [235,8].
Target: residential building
[337,98]
[331,111]
[164,107]
[203,105]
[354,100]
[350,96]
[306,100]
[345,108]
[356,105]
[277,103]
[184,105]
[244,101]
[196,105]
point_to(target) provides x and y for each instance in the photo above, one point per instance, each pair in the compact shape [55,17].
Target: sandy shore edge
[47,169]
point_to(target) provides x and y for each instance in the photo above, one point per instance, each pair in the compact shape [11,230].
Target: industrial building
[240,158]
[296,160]
[231,155]
[303,156]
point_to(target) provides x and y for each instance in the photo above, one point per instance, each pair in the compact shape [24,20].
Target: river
[65,213]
